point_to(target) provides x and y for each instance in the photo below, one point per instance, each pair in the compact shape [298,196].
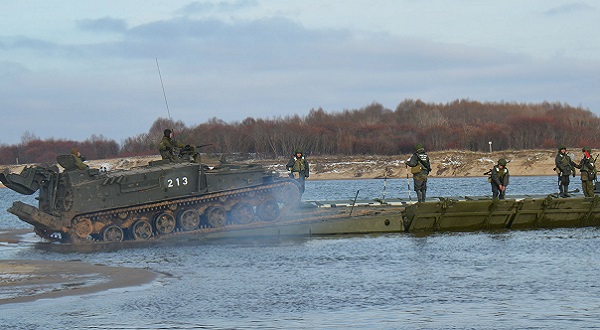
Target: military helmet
[561,147]
[502,162]
[586,149]
[298,151]
[74,151]
[168,132]
[418,146]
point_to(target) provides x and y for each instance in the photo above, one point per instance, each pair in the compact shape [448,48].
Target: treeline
[34,150]
[461,124]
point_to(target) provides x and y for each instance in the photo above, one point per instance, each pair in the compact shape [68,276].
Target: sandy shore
[29,280]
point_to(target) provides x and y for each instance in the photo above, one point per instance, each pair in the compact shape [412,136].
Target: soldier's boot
[566,189]
[423,194]
[419,196]
[561,192]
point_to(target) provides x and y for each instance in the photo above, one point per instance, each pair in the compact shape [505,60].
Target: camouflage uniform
[167,146]
[588,172]
[298,167]
[78,159]
[420,159]
[565,167]
[499,178]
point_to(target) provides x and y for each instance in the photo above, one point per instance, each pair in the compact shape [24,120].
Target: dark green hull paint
[487,214]
[362,224]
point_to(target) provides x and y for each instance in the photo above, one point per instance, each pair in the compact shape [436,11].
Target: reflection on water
[538,279]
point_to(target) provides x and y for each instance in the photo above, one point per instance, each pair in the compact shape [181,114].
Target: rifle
[187,150]
[423,165]
[594,167]
[408,184]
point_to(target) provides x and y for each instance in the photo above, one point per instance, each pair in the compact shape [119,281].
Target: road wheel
[268,210]
[189,220]
[82,227]
[216,216]
[141,230]
[112,233]
[164,223]
[242,213]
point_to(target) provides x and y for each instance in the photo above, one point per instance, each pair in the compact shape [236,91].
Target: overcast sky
[73,69]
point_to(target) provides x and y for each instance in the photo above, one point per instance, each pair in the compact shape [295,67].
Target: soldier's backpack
[416,169]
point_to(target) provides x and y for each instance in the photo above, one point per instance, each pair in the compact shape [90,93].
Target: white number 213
[177,182]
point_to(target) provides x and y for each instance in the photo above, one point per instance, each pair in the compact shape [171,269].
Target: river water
[533,279]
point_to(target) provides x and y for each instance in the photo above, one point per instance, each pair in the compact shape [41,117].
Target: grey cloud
[273,44]
[261,42]
[176,29]
[26,42]
[43,48]
[199,7]
[11,69]
[278,43]
[569,8]
[268,29]
[105,24]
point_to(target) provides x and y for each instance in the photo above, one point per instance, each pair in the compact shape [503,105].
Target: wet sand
[29,280]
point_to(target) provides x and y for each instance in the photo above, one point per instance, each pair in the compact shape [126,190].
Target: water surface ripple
[533,279]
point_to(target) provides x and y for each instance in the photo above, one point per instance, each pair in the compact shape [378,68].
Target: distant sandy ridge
[451,163]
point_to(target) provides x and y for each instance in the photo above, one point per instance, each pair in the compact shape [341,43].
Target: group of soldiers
[420,167]
[499,175]
[565,167]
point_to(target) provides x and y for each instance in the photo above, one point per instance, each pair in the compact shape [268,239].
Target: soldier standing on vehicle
[565,167]
[499,179]
[420,168]
[588,172]
[298,167]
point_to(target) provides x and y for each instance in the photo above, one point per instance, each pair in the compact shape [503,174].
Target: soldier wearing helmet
[565,167]
[499,179]
[420,166]
[298,167]
[588,172]
[167,146]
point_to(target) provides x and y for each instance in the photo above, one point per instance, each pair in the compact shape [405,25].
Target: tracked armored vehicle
[156,200]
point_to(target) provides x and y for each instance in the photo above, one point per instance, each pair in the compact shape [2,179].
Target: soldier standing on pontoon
[565,167]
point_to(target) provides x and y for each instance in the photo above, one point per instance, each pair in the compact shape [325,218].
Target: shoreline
[30,280]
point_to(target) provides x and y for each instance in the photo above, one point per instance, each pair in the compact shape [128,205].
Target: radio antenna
[163,88]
